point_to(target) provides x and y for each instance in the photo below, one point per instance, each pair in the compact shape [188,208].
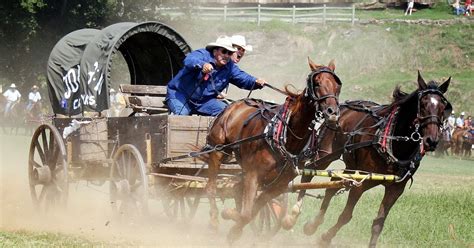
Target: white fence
[260,14]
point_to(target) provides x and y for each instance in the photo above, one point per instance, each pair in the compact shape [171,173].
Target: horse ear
[421,82]
[332,65]
[312,65]
[444,87]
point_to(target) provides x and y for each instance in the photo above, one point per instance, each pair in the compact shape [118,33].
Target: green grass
[441,196]
[43,239]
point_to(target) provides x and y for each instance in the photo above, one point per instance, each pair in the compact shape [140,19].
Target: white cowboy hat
[34,87]
[239,40]
[222,41]
[462,113]
[12,86]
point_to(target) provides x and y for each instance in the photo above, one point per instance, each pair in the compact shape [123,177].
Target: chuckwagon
[131,152]
[143,153]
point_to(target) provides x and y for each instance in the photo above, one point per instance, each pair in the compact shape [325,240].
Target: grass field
[435,212]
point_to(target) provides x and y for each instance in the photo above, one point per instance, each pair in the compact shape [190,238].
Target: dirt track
[88,214]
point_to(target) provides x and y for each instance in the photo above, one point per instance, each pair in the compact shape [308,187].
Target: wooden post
[225,13]
[324,14]
[258,15]
[294,14]
[353,14]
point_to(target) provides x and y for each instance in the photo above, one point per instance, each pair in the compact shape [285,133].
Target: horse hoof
[288,222]
[234,234]
[324,241]
[226,214]
[309,228]
[214,225]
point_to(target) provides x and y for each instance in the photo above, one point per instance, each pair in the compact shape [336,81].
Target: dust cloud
[89,216]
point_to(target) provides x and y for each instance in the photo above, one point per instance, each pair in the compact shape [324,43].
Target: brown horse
[269,142]
[386,139]
[462,142]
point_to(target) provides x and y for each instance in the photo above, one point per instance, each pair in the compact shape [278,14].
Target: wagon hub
[42,174]
[123,187]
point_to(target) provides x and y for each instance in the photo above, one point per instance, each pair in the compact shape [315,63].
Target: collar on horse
[277,131]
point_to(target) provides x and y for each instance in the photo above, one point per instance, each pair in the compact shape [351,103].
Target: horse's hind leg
[211,187]
[392,193]
[290,219]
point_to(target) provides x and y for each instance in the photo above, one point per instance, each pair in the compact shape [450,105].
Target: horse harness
[276,131]
[383,136]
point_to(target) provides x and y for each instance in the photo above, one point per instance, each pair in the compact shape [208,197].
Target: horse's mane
[296,96]
[400,97]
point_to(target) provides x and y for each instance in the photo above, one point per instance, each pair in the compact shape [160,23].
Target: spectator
[33,98]
[205,74]
[411,3]
[468,123]
[13,96]
[458,9]
[460,121]
[451,122]
[468,7]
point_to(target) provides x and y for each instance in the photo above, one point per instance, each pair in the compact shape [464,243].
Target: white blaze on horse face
[434,101]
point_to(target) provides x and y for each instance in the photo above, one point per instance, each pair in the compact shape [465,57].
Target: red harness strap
[280,125]
[387,129]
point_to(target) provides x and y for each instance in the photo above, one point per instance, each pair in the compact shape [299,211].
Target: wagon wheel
[128,183]
[268,221]
[47,169]
[179,206]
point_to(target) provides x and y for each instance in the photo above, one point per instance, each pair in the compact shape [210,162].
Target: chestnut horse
[385,139]
[461,144]
[269,142]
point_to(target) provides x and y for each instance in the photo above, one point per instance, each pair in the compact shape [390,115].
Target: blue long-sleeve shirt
[190,79]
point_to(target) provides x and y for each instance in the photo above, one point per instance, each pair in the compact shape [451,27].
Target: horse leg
[234,213]
[346,215]
[290,219]
[392,193]
[249,193]
[311,226]
[211,187]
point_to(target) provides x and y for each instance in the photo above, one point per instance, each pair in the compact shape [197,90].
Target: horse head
[433,109]
[323,88]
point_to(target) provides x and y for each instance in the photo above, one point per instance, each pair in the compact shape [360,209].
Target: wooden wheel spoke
[136,185]
[40,151]
[44,141]
[35,164]
[52,142]
[43,193]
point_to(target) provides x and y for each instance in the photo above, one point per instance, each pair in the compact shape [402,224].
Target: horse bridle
[425,120]
[312,86]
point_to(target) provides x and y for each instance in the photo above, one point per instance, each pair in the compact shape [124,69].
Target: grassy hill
[371,59]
